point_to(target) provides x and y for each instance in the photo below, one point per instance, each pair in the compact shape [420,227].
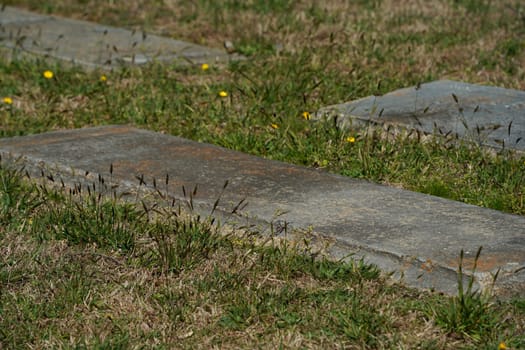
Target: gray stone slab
[416,235]
[487,115]
[93,45]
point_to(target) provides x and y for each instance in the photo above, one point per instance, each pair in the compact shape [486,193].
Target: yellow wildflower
[502,346]
[306,115]
[48,74]
[103,78]
[205,66]
[350,139]
[7,100]
[275,126]
[223,94]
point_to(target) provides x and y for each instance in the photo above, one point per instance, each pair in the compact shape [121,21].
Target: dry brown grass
[123,298]
[345,21]
[126,299]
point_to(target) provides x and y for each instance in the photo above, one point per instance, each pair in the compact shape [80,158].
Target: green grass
[243,120]
[186,284]
[89,271]
[471,312]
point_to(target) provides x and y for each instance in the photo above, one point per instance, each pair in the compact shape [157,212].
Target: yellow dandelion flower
[350,139]
[274,126]
[103,78]
[306,115]
[205,66]
[502,346]
[48,74]
[223,94]
[7,100]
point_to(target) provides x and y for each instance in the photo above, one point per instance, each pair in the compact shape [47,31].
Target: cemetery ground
[82,270]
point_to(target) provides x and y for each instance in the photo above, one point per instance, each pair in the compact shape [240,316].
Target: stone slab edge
[413,271]
[22,17]
[396,118]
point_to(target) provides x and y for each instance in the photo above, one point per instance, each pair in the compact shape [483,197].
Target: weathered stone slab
[93,45]
[491,116]
[417,235]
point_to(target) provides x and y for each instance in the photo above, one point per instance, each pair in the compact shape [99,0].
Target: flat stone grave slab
[417,236]
[92,45]
[490,116]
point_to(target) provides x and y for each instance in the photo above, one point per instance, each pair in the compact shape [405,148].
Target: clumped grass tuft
[90,219]
[15,195]
[180,243]
[471,312]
